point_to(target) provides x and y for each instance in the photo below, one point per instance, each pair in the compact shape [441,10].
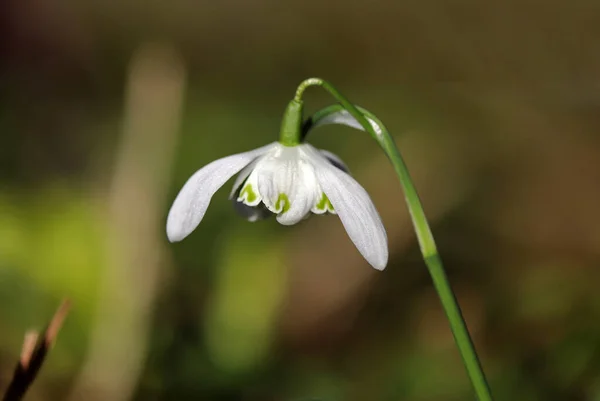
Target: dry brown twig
[33,353]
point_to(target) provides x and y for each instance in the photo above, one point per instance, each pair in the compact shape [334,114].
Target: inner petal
[302,195]
[275,176]
[270,178]
[287,184]
[283,203]
[249,193]
[242,178]
[323,205]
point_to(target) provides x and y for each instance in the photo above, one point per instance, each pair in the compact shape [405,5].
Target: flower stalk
[291,124]
[376,129]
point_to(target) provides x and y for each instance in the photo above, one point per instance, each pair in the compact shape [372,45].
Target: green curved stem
[423,232]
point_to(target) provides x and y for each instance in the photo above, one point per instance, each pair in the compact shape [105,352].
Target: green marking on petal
[249,192]
[324,203]
[286,203]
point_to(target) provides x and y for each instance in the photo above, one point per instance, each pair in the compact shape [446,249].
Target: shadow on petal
[335,160]
[251,213]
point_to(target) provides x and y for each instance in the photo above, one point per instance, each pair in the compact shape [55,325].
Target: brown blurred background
[107,107]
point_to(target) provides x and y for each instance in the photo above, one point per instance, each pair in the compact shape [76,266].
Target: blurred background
[107,107]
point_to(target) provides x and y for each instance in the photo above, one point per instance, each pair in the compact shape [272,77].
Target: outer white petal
[193,199]
[335,160]
[357,213]
[343,117]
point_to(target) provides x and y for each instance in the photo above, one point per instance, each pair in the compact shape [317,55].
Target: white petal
[287,184]
[242,177]
[193,199]
[319,207]
[335,160]
[271,179]
[249,194]
[275,177]
[357,213]
[343,117]
[302,195]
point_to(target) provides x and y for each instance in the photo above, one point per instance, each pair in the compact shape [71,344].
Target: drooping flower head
[290,179]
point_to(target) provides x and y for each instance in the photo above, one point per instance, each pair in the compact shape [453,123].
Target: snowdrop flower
[291,180]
